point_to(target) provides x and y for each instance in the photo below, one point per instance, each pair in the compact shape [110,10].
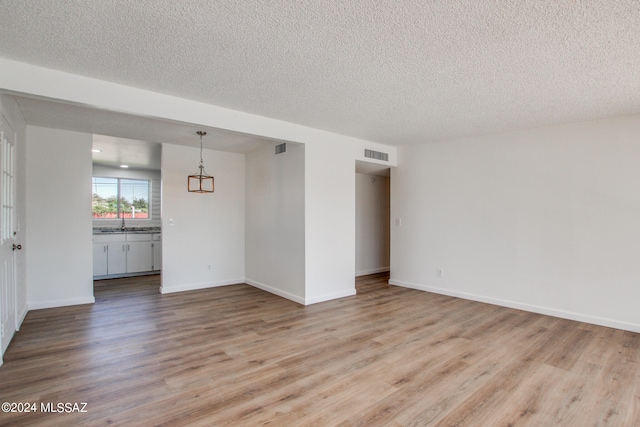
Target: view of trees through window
[120,198]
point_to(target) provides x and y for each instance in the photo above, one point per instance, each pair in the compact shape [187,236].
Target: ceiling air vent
[376,155]
[281,148]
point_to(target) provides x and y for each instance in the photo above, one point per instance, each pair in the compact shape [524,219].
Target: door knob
[18,247]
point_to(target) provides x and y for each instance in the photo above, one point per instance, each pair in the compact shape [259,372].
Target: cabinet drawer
[108,238]
[138,237]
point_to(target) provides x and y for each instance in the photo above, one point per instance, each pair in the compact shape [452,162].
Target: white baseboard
[201,285]
[373,271]
[39,305]
[329,297]
[298,299]
[275,291]
[549,311]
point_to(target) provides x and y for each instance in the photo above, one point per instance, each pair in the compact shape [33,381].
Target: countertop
[127,230]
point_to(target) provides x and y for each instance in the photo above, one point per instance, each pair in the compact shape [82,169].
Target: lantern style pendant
[200,182]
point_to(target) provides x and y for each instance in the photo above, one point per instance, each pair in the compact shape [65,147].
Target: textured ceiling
[390,71]
[82,118]
[113,152]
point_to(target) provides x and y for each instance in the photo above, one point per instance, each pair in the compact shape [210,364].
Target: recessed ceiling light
[95,150]
[124,166]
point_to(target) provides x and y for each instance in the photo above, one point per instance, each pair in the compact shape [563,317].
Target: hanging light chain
[201,133]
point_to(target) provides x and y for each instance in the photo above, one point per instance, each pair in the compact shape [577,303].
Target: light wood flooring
[389,356]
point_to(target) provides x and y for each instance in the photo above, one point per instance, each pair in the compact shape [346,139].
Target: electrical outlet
[398,222]
[208,266]
[440,273]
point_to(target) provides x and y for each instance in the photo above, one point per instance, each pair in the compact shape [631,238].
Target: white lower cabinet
[157,251]
[117,263]
[118,254]
[100,259]
[139,257]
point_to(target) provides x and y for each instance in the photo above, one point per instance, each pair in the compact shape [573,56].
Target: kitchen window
[121,198]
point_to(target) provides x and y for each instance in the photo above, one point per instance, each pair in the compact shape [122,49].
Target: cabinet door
[117,263]
[100,259]
[139,257]
[157,255]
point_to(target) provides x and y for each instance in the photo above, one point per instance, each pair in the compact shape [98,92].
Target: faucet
[123,227]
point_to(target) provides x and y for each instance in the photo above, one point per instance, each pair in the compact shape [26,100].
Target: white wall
[207,228]
[330,194]
[275,227]
[329,162]
[330,223]
[546,220]
[58,238]
[372,224]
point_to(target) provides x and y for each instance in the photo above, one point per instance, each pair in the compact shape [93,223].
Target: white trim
[563,314]
[21,316]
[329,297]
[278,292]
[298,299]
[372,271]
[201,285]
[39,305]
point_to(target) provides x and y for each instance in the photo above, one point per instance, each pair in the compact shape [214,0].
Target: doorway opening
[373,219]
[126,207]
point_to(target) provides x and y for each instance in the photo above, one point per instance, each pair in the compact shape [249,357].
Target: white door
[7,231]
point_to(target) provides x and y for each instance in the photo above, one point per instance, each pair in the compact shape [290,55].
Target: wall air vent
[376,155]
[281,148]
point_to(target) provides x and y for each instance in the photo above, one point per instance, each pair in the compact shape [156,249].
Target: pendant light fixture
[200,182]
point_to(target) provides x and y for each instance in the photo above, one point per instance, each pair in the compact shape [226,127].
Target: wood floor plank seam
[388,356]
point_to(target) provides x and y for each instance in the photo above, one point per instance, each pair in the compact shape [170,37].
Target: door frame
[8,284]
